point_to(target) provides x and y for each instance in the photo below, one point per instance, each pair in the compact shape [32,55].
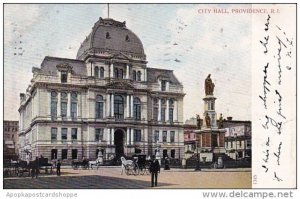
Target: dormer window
[107,35]
[127,38]
[163,85]
[139,76]
[64,77]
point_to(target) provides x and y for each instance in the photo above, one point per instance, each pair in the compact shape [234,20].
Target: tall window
[64,103]
[172,136]
[171,109]
[214,140]
[53,134]
[172,153]
[165,134]
[96,72]
[53,104]
[64,76]
[163,110]
[53,154]
[74,134]
[171,114]
[64,134]
[156,136]
[155,109]
[163,114]
[74,105]
[163,85]
[74,154]
[139,76]
[165,153]
[99,134]
[121,73]
[118,73]
[155,113]
[137,108]
[99,107]
[101,72]
[137,136]
[64,154]
[119,107]
[134,75]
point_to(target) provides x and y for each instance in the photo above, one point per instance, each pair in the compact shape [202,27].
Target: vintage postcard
[149,96]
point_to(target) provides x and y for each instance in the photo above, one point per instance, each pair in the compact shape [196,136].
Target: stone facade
[106,100]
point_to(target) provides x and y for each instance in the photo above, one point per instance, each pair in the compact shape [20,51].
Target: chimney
[229,118]
[22,97]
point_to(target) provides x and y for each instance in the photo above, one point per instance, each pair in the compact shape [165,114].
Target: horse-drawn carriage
[39,164]
[139,165]
[10,168]
[83,164]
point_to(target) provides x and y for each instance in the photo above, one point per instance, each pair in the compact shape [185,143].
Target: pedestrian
[58,168]
[35,168]
[167,167]
[154,170]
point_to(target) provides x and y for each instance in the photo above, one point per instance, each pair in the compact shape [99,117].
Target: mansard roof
[49,65]
[153,74]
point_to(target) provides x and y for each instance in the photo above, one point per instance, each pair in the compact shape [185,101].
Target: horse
[96,162]
[125,163]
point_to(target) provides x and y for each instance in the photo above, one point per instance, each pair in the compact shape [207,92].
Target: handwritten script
[277,47]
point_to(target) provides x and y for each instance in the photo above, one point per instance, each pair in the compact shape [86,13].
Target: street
[111,178]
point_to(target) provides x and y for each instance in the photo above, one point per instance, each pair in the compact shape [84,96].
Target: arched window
[73,105]
[137,108]
[134,75]
[99,107]
[139,76]
[101,73]
[96,72]
[119,107]
[63,104]
[53,105]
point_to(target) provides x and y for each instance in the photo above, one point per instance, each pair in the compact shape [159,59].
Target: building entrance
[119,142]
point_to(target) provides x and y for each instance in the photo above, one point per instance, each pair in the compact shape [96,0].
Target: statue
[221,121]
[198,122]
[207,120]
[209,86]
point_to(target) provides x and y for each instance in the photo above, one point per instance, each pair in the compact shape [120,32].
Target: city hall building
[106,100]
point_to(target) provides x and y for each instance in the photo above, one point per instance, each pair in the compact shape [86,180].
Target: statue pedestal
[209,112]
[211,142]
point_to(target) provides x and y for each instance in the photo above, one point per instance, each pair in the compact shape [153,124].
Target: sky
[215,44]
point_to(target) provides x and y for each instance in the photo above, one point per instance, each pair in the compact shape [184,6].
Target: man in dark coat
[35,168]
[58,168]
[154,170]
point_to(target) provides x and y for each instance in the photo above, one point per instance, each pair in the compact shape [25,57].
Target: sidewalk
[209,170]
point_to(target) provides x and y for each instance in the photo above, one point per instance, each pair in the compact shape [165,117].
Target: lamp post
[235,136]
[198,168]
